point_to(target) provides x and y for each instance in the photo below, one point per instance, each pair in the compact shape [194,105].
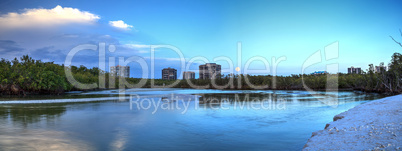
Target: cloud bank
[50,34]
[47,17]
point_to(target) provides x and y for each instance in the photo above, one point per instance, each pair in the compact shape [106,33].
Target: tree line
[28,76]
[389,82]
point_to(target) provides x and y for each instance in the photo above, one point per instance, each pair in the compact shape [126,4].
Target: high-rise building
[379,69]
[120,71]
[169,74]
[188,75]
[353,70]
[209,70]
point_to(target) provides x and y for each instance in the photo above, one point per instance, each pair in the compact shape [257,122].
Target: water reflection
[21,128]
[275,96]
[26,114]
[111,125]
[241,97]
[40,140]
[253,101]
[120,140]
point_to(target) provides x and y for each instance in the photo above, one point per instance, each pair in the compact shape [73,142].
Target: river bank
[375,125]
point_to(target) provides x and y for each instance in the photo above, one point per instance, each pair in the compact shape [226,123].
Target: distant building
[353,70]
[319,72]
[209,70]
[120,71]
[169,74]
[188,75]
[379,69]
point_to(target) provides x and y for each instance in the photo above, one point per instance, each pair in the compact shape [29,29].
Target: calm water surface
[213,120]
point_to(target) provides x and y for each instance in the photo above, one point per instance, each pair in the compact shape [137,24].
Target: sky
[283,34]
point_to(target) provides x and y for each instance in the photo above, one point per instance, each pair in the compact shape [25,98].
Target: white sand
[374,125]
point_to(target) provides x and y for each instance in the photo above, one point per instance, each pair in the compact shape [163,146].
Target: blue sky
[293,29]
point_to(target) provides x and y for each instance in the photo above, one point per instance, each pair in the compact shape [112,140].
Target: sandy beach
[375,125]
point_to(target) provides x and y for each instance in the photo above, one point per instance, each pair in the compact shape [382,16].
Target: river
[170,119]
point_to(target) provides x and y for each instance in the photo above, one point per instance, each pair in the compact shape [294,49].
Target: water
[286,121]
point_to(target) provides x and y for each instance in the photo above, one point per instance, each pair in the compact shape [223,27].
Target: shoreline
[13,99]
[89,90]
[375,125]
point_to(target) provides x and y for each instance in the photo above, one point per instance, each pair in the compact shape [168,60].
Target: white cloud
[47,17]
[120,25]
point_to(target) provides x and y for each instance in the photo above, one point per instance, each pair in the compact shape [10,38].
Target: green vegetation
[28,76]
[389,82]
